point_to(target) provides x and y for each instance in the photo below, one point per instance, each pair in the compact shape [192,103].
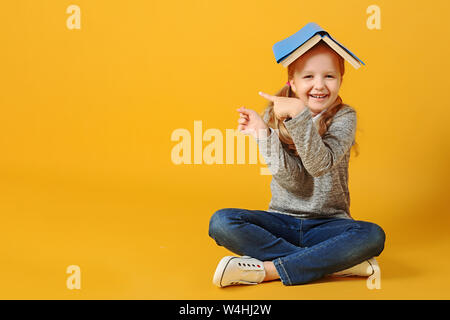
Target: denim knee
[219,223]
[375,237]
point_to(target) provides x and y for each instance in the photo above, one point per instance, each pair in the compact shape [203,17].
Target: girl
[305,136]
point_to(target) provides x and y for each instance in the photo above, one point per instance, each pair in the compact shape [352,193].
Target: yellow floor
[129,246]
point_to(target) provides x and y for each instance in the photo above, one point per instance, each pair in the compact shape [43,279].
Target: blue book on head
[288,50]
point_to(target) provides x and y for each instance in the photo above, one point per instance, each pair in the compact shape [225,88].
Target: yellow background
[86,118]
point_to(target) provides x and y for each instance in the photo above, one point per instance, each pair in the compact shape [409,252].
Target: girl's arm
[320,154]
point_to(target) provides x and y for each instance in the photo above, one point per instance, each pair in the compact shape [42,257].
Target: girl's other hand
[285,107]
[250,122]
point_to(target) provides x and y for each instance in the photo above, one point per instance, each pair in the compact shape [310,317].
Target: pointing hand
[284,107]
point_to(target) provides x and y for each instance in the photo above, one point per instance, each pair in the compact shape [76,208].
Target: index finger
[267,96]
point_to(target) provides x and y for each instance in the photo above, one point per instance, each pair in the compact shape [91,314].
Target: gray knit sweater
[314,185]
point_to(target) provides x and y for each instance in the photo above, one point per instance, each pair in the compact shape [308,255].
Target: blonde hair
[324,120]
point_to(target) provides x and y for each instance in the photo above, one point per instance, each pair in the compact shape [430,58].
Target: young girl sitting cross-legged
[305,137]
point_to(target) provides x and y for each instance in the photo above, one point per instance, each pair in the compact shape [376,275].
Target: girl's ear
[291,83]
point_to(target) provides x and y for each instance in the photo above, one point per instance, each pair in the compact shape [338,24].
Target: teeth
[318,96]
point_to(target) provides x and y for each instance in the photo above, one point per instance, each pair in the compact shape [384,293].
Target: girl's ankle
[271,271]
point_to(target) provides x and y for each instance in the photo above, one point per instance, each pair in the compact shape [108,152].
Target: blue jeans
[302,250]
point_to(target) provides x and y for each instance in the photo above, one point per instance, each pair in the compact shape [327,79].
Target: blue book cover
[282,49]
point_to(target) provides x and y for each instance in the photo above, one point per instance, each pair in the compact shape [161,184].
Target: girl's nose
[319,84]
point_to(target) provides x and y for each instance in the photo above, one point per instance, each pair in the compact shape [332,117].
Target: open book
[288,50]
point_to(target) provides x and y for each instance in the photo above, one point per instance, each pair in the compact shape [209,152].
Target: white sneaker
[239,270]
[364,269]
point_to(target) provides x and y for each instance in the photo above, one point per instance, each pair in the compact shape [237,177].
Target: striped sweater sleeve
[319,154]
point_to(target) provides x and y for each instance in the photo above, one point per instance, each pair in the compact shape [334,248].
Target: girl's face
[317,79]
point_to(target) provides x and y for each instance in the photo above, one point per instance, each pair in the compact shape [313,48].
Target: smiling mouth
[318,97]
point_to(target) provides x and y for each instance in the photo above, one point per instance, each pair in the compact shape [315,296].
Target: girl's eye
[328,76]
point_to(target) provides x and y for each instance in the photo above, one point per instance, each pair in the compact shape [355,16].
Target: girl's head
[318,72]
